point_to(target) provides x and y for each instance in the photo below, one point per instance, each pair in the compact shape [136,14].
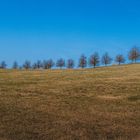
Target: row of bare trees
[93,61]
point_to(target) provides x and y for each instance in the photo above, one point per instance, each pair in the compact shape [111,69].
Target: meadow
[85,104]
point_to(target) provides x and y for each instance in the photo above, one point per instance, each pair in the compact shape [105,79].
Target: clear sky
[42,29]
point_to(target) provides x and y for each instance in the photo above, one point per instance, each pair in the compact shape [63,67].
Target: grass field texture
[88,104]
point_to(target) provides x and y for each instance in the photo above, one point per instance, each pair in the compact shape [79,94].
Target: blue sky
[43,29]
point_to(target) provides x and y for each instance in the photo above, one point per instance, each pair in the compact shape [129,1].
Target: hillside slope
[88,104]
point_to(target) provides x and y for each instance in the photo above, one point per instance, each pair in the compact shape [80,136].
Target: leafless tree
[83,61]
[34,66]
[3,65]
[15,65]
[27,64]
[60,63]
[120,59]
[106,59]
[134,54]
[94,60]
[48,64]
[39,64]
[70,63]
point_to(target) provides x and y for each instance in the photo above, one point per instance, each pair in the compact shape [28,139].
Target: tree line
[93,61]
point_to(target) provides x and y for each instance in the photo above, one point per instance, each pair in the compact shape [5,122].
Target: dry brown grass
[90,104]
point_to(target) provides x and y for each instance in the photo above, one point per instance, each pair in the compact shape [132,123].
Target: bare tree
[134,54]
[83,61]
[120,59]
[70,63]
[60,63]
[34,66]
[27,64]
[48,64]
[106,59]
[39,64]
[3,65]
[15,65]
[94,60]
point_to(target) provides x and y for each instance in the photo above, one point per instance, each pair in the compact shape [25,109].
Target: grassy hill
[88,104]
